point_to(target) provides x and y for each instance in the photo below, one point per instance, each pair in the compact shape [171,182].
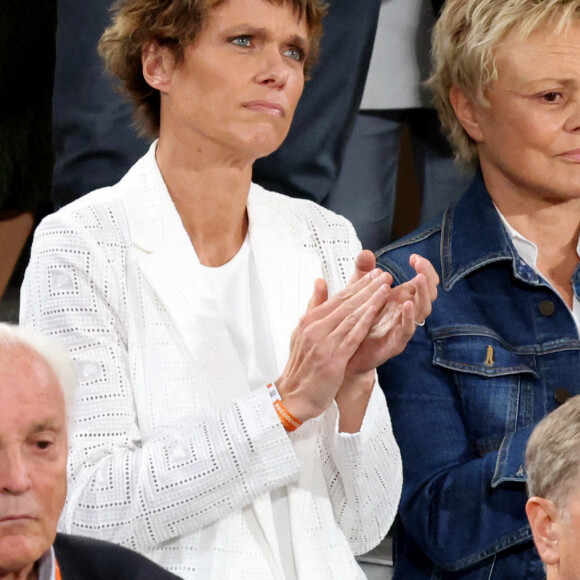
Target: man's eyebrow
[48,425]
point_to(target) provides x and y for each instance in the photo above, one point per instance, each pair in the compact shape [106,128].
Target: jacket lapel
[286,262]
[168,262]
[287,266]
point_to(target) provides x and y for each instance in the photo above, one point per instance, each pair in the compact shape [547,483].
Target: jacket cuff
[352,445]
[510,465]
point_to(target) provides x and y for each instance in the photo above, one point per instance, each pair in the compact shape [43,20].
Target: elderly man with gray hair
[37,392]
[553,467]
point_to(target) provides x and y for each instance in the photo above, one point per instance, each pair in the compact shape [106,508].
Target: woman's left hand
[408,305]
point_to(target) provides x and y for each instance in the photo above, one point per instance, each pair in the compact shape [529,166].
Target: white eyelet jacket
[172,454]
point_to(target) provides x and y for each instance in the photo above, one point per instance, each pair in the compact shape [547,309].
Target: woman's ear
[544,520]
[158,66]
[466,112]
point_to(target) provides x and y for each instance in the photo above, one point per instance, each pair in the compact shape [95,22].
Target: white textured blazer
[172,454]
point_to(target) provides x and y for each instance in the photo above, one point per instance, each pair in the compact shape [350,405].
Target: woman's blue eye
[243,41]
[295,53]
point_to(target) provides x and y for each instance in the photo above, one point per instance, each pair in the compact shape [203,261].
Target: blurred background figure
[394,98]
[95,139]
[553,472]
[26,156]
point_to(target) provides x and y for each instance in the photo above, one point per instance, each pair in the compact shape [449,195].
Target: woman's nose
[274,70]
[573,120]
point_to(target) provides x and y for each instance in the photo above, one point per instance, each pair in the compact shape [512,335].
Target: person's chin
[20,550]
[266,143]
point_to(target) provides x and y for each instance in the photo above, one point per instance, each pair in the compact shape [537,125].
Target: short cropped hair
[14,338]
[553,455]
[463,54]
[173,24]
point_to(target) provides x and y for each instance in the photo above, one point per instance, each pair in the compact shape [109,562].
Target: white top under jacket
[172,454]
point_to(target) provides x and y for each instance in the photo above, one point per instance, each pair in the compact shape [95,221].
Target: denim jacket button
[547,308]
[561,395]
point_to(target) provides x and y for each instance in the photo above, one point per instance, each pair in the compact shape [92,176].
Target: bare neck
[210,193]
[554,228]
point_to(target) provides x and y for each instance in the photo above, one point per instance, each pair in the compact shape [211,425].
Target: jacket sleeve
[123,487]
[363,473]
[458,505]
[363,470]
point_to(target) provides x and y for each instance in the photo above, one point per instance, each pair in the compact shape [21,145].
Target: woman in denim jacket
[501,348]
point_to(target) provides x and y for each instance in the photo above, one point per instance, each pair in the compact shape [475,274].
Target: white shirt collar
[46,566]
[528,252]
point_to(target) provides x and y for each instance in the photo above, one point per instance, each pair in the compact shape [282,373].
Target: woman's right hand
[328,335]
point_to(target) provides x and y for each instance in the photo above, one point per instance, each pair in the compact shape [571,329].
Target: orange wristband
[290,422]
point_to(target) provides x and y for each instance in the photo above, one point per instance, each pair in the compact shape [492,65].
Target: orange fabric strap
[57,575]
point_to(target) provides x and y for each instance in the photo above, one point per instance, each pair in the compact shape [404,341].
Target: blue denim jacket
[499,351]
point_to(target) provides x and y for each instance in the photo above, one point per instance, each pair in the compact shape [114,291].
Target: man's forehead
[28,382]
[18,359]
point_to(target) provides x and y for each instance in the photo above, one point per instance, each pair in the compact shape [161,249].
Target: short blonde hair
[173,24]
[553,455]
[464,42]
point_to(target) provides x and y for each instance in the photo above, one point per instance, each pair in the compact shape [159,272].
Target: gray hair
[51,352]
[553,455]
[465,39]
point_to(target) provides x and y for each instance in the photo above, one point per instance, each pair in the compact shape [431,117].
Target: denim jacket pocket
[493,381]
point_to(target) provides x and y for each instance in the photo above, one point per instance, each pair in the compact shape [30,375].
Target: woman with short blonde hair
[464,52]
[502,347]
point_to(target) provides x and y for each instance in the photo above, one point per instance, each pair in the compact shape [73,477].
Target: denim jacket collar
[473,236]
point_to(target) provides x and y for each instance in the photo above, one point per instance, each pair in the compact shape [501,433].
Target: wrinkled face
[240,81]
[568,566]
[529,138]
[33,455]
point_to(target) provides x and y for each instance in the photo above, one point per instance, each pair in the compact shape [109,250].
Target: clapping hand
[408,305]
[341,340]
[327,337]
